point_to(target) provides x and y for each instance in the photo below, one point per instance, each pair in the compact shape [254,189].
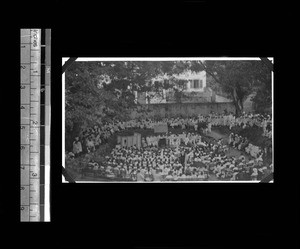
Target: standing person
[77,147]
[209,127]
[182,125]
[97,141]
[182,158]
[186,140]
[90,145]
[230,139]
[196,126]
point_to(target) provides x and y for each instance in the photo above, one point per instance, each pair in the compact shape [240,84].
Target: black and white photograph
[168,120]
[151,125]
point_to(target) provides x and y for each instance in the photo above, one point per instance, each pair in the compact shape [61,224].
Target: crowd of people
[91,138]
[180,163]
[186,156]
[173,139]
[243,121]
[242,144]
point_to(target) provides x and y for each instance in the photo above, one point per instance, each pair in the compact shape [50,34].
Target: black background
[159,215]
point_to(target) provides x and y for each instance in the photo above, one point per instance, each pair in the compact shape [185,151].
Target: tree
[238,78]
[263,97]
[101,91]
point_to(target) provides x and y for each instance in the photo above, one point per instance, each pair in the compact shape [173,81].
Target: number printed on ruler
[25,73]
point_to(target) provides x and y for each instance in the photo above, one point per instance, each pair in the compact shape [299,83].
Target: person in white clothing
[77,147]
[209,127]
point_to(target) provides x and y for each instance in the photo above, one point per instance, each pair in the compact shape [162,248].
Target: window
[191,84]
[201,84]
[196,84]
[185,86]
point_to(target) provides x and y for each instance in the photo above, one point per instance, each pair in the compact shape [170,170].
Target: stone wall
[184,109]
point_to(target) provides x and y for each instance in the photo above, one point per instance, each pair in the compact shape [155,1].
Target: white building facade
[194,83]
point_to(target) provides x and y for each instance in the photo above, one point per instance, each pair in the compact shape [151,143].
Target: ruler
[35,124]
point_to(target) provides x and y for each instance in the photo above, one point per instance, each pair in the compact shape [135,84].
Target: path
[217,135]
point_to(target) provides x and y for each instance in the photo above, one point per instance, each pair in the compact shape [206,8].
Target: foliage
[263,98]
[103,90]
[239,79]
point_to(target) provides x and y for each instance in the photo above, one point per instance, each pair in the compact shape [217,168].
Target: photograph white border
[64,59]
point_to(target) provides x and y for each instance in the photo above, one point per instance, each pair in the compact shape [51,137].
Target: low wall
[184,109]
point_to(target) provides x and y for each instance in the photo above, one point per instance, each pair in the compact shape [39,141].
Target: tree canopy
[240,78]
[102,90]
[97,91]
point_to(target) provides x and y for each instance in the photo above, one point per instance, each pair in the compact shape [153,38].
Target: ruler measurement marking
[33,73]
[30,125]
[38,69]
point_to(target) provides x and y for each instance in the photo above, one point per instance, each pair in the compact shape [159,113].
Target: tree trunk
[238,107]
[241,105]
[238,110]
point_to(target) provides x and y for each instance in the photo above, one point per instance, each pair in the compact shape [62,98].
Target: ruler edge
[38,211]
[30,167]
[47,172]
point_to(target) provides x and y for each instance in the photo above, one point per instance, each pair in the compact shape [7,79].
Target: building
[193,89]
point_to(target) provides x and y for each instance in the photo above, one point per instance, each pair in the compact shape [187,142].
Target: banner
[139,140]
[119,139]
[134,139]
[124,141]
[129,141]
[160,128]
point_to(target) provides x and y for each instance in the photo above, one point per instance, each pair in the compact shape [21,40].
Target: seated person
[148,176]
[90,144]
[175,176]
[139,176]
[158,176]
[95,166]
[254,174]
[169,177]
